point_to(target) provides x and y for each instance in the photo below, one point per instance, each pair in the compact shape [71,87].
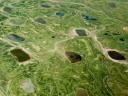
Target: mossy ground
[51,73]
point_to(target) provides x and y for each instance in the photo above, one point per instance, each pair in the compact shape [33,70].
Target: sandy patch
[126,70]
[125,28]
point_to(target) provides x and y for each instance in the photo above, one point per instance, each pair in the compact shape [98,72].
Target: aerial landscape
[63,48]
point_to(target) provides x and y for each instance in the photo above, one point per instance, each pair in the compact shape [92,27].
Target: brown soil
[125,28]
[81,92]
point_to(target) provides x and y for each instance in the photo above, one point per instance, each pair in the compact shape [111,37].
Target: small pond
[15,38]
[60,14]
[7,9]
[107,34]
[112,5]
[81,32]
[16,21]
[45,6]
[40,20]
[121,39]
[115,55]
[88,17]
[20,54]
[73,57]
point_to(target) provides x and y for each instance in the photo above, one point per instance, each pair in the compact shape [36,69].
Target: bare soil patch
[125,29]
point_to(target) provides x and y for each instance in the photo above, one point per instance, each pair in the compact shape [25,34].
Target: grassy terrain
[52,74]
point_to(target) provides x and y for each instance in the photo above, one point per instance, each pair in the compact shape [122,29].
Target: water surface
[60,14]
[20,54]
[81,32]
[15,38]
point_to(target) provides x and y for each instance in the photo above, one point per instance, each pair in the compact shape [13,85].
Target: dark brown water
[115,55]
[73,57]
[20,54]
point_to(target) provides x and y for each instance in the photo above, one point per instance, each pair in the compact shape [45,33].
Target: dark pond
[112,5]
[115,55]
[81,92]
[81,32]
[7,9]
[53,36]
[40,20]
[107,34]
[20,54]
[15,37]
[45,6]
[121,39]
[60,14]
[16,21]
[88,17]
[73,57]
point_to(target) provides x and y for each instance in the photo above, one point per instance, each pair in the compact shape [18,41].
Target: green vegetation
[50,71]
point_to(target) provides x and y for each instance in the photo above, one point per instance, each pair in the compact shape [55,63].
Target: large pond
[115,55]
[81,32]
[20,54]
[73,57]
[15,38]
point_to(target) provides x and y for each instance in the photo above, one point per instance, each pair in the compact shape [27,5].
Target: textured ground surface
[46,30]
